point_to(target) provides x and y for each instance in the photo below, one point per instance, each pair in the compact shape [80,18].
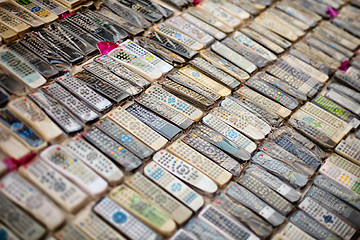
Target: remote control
[206,27]
[123,72]
[70,232]
[76,106]
[199,161]
[143,209]
[60,189]
[131,61]
[282,25]
[220,14]
[11,84]
[105,88]
[204,80]
[20,69]
[224,65]
[91,26]
[341,176]
[128,26]
[310,226]
[181,234]
[143,10]
[290,19]
[166,12]
[345,164]
[263,101]
[233,9]
[274,183]
[262,113]
[298,150]
[342,89]
[74,41]
[308,69]
[124,137]
[339,32]
[174,186]
[326,218]
[233,57]
[37,9]
[159,197]
[277,151]
[4,98]
[210,19]
[146,56]
[236,122]
[30,113]
[214,153]
[112,149]
[185,172]
[18,221]
[232,136]
[118,33]
[59,46]
[52,57]
[28,197]
[177,36]
[315,123]
[113,79]
[335,205]
[186,93]
[291,231]
[280,41]
[336,110]
[249,43]
[264,41]
[266,194]
[22,14]
[123,221]
[249,53]
[52,6]
[166,129]
[21,131]
[332,44]
[330,119]
[193,85]
[7,34]
[278,83]
[73,168]
[44,68]
[300,139]
[56,112]
[137,128]
[310,40]
[348,150]
[251,201]
[343,101]
[10,145]
[215,73]
[170,114]
[272,23]
[311,60]
[337,190]
[7,234]
[94,159]
[81,90]
[192,31]
[94,227]
[280,169]
[165,54]
[158,94]
[202,231]
[172,45]
[256,224]
[225,225]
[232,106]
[130,15]
[272,92]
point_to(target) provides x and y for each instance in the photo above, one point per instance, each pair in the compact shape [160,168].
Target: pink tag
[26,159]
[106,47]
[10,164]
[65,15]
[333,13]
[196,2]
[344,66]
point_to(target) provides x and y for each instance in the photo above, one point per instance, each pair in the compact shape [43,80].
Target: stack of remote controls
[139,119]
